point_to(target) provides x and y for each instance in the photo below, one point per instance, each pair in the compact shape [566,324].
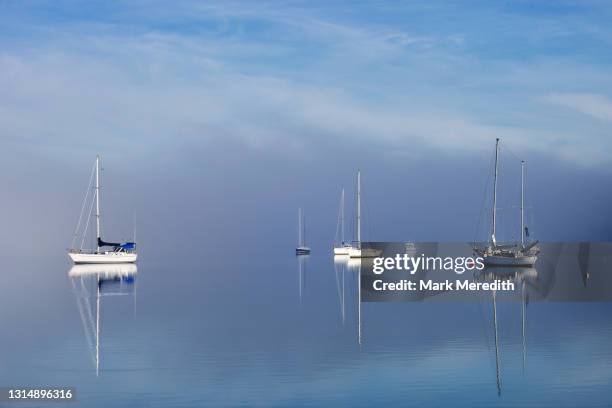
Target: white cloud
[595,105]
[95,83]
[71,100]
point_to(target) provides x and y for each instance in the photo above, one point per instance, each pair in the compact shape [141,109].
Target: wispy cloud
[284,75]
[595,105]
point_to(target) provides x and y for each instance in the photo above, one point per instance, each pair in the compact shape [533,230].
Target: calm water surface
[267,329]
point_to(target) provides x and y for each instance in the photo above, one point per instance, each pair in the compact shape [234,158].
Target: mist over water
[203,195]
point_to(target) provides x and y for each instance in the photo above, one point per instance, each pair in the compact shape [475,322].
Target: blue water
[258,331]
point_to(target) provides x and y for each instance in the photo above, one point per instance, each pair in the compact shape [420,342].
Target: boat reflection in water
[92,282]
[340,266]
[354,265]
[344,264]
[302,260]
[525,278]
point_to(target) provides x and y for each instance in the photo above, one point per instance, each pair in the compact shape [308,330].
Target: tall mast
[342,217]
[359,208]
[98,203]
[299,227]
[523,203]
[495,189]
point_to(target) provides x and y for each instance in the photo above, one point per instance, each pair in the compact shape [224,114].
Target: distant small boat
[340,246]
[514,254]
[301,249]
[119,252]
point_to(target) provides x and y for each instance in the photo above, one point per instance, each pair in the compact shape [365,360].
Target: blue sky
[280,76]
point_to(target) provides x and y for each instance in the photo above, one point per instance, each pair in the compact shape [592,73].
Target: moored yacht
[513,254]
[116,253]
[301,249]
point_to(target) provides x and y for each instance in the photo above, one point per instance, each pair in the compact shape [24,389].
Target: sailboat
[301,249]
[519,254]
[118,253]
[341,247]
[356,250]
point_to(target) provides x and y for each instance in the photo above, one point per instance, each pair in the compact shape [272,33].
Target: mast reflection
[340,269]
[91,282]
[520,276]
[302,260]
[354,265]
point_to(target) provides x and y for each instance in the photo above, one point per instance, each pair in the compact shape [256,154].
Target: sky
[256,104]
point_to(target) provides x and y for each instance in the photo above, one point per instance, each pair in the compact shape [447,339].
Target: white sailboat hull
[495,260]
[102,258]
[343,250]
[363,252]
[354,252]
